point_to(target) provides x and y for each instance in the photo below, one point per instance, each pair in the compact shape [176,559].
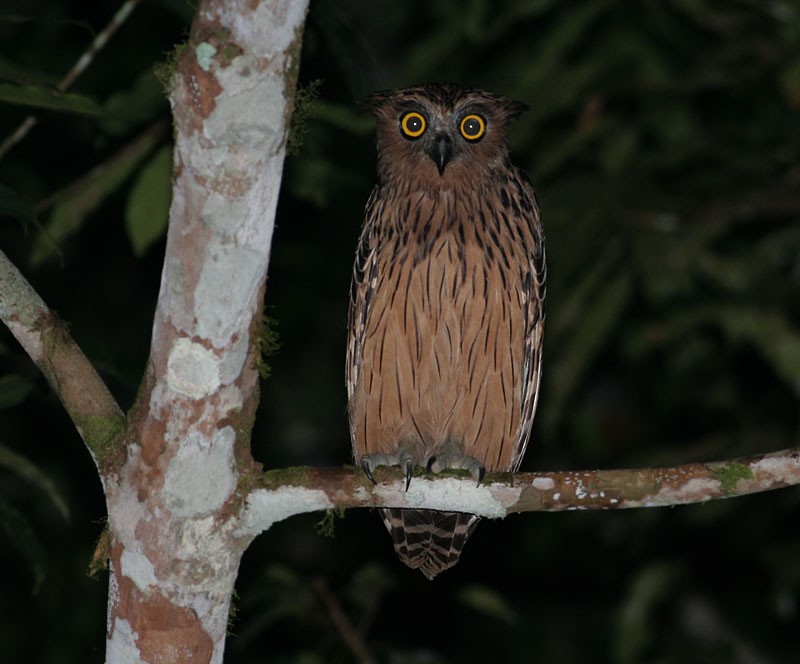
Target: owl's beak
[441,151]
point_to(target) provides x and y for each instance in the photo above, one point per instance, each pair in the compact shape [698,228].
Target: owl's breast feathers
[447,309]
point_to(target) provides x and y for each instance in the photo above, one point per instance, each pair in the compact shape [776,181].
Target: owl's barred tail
[428,540]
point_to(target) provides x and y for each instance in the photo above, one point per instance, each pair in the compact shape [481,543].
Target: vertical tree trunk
[174,498]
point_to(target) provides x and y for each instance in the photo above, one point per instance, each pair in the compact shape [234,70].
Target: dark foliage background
[664,141]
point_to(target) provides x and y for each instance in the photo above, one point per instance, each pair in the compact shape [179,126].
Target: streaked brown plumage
[447,304]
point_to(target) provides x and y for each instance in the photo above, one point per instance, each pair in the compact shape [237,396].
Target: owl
[446,305]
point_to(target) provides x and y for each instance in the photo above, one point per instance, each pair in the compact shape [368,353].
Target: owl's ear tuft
[513,109]
[375,102]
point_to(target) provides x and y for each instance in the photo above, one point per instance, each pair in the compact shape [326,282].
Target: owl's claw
[367,470]
[401,458]
[409,472]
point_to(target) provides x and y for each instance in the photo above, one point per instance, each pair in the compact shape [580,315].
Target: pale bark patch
[192,370]
[265,507]
[200,477]
[138,568]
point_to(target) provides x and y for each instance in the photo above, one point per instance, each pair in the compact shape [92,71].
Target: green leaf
[16,72]
[652,586]
[28,471]
[14,388]
[21,535]
[790,83]
[80,200]
[14,205]
[135,105]
[772,335]
[315,179]
[345,117]
[599,322]
[769,332]
[368,585]
[618,150]
[39,96]
[147,210]
[487,601]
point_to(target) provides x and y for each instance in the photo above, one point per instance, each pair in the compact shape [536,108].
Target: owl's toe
[366,465]
[456,461]
[369,462]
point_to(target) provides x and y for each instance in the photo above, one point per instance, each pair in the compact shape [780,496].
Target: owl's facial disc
[441,151]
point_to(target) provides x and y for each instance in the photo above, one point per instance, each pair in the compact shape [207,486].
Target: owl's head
[440,130]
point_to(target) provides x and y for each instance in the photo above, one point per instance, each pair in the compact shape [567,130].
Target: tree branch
[47,341]
[77,69]
[342,623]
[291,491]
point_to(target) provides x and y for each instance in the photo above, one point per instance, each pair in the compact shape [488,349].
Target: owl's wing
[533,296]
[362,288]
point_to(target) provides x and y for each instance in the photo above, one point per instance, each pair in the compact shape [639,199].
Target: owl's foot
[451,459]
[400,458]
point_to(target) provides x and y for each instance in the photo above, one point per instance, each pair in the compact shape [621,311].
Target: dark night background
[664,142]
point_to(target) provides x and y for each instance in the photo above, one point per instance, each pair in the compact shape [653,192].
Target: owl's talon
[409,465]
[367,470]
[401,458]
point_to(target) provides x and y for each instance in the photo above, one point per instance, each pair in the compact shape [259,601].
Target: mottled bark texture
[175,549]
[47,341]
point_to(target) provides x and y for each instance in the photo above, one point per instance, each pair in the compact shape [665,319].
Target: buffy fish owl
[446,305]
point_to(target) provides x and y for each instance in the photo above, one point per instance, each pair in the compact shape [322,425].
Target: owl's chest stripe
[443,346]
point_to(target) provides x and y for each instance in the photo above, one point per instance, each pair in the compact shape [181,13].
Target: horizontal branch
[289,491]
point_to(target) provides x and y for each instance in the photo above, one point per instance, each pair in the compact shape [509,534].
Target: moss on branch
[501,494]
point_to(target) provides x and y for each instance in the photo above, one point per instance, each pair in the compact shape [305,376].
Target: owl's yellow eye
[413,124]
[473,127]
